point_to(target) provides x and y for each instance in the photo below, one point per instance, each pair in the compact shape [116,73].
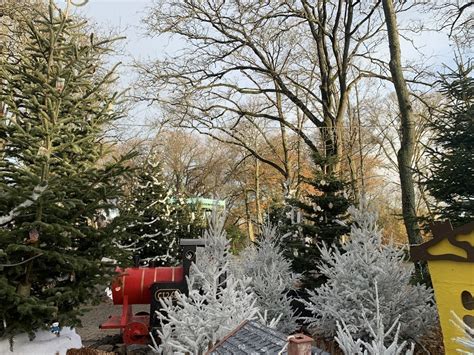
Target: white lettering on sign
[166,293]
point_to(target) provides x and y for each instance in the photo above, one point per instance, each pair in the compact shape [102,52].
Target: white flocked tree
[217,301]
[378,345]
[271,277]
[348,295]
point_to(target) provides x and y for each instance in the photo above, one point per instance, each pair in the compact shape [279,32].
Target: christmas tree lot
[255,178]
[54,181]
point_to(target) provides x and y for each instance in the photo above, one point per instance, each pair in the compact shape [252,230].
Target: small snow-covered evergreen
[217,302]
[378,344]
[271,277]
[352,273]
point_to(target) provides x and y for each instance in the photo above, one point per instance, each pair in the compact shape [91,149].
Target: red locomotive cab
[135,283]
[134,286]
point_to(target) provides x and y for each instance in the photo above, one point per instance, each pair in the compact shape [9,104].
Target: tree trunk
[405,154]
[359,137]
[300,120]
[258,205]
[287,184]
[248,217]
[351,143]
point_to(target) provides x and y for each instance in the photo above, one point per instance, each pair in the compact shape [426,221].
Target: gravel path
[91,334]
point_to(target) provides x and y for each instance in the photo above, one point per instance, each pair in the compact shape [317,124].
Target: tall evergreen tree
[317,218]
[54,180]
[452,153]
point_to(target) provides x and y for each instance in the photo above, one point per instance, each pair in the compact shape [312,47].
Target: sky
[124,17]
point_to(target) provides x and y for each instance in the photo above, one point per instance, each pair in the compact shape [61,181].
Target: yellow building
[450,256]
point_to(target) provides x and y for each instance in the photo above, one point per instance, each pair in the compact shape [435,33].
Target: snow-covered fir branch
[154,235]
[265,319]
[127,247]
[153,221]
[35,195]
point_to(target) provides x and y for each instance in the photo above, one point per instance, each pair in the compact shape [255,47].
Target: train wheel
[135,333]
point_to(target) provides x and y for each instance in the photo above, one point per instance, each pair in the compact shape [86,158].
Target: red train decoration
[146,285]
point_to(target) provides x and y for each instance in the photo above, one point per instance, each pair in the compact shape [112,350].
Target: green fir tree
[147,217]
[152,220]
[451,168]
[55,181]
[315,218]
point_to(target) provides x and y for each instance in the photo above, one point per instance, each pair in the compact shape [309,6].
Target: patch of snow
[45,343]
[108,292]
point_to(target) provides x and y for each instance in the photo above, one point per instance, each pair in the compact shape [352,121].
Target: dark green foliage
[59,102]
[450,179]
[310,221]
[152,220]
[238,239]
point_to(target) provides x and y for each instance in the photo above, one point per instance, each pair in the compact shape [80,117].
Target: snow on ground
[45,343]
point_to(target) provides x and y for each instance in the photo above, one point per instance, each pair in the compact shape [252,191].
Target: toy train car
[146,285]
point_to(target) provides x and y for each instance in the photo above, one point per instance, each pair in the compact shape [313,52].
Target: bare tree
[193,165]
[455,17]
[386,134]
[249,61]
[407,121]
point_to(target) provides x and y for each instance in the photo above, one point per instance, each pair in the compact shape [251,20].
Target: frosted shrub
[210,311]
[271,277]
[348,294]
